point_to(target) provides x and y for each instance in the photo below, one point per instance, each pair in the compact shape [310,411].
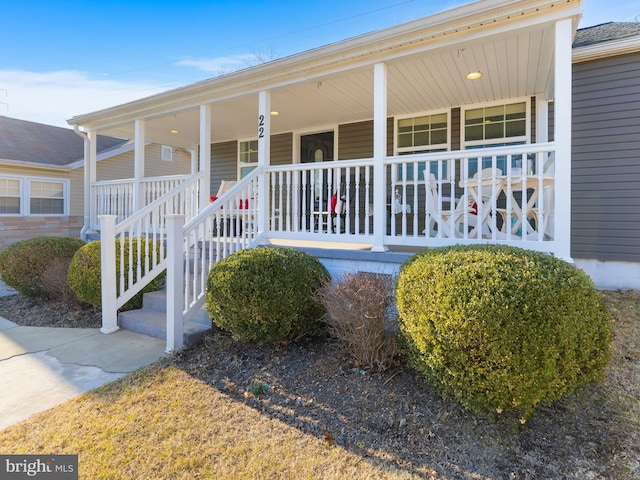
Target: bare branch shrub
[358,317]
[54,281]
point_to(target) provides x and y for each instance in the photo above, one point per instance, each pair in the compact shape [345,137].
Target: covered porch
[455,128]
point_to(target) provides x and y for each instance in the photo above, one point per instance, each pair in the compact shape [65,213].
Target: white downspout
[87,182]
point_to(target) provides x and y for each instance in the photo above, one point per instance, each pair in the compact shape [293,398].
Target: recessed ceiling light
[174,131]
[274,113]
[473,75]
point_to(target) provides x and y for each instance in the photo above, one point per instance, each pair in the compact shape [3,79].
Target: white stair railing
[133,251]
[227,225]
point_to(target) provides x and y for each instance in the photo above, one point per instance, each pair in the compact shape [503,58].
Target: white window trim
[25,195]
[240,166]
[396,119]
[407,150]
[298,134]
[464,144]
[166,153]
[21,195]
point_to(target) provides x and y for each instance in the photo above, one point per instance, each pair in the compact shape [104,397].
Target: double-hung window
[10,203]
[46,197]
[495,125]
[33,196]
[423,134]
[248,156]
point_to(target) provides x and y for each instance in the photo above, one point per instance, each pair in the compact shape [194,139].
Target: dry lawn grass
[161,423]
[166,422]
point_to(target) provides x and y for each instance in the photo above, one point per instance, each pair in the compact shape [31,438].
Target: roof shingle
[45,144]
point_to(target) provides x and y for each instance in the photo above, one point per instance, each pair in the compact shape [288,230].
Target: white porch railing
[137,262]
[497,195]
[322,201]
[443,198]
[116,197]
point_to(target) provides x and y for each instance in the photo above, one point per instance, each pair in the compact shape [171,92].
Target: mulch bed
[38,312]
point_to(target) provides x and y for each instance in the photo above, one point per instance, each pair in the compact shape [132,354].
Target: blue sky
[64,58]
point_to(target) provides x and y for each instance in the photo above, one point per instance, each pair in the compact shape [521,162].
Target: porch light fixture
[473,75]
[174,131]
[274,113]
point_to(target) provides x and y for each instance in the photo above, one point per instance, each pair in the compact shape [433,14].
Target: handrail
[227,225]
[149,224]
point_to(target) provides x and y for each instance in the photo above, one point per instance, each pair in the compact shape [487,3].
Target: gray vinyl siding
[281,149]
[355,140]
[605,221]
[224,163]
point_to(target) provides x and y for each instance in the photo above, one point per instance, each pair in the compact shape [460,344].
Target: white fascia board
[467,22]
[606,49]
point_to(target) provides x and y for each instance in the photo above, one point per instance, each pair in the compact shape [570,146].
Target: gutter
[87,181]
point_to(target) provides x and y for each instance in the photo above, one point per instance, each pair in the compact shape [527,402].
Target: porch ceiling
[514,62]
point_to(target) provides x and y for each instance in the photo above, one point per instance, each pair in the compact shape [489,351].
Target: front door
[315,148]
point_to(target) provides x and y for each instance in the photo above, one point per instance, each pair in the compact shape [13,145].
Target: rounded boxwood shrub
[266,294]
[501,327]
[23,264]
[84,275]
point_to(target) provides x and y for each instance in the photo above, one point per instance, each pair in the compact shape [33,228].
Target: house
[451,129]
[605,228]
[41,176]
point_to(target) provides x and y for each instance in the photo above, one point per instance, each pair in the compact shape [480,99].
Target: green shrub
[84,275]
[266,294]
[502,328]
[23,263]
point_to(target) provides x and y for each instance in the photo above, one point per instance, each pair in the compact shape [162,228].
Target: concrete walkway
[42,367]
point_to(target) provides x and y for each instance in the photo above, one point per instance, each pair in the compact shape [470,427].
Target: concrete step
[154,324]
[157,302]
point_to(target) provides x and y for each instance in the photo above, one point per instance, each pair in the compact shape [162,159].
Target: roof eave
[374,46]
[606,49]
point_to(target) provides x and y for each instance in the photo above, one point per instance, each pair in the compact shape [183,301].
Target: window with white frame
[10,196]
[247,156]
[33,196]
[423,134]
[495,125]
[46,197]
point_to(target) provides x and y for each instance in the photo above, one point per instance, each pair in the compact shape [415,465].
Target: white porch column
[205,154]
[138,165]
[175,283]
[562,129]
[108,273]
[379,153]
[264,155]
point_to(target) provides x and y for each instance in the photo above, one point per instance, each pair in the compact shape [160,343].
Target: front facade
[436,132]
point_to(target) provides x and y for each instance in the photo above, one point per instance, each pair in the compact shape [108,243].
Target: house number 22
[261,126]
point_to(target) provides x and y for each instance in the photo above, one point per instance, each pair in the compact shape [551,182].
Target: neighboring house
[41,176]
[451,129]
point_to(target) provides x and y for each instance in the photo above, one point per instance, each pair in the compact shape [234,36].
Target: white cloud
[53,97]
[220,64]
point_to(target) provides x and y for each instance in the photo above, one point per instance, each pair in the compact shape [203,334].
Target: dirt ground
[395,417]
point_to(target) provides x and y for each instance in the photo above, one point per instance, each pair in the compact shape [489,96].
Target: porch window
[46,197]
[423,134]
[248,156]
[495,126]
[10,196]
